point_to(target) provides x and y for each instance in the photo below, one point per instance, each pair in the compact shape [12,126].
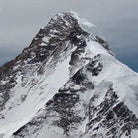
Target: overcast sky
[116,21]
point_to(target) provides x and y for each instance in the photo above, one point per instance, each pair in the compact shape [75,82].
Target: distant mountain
[68,83]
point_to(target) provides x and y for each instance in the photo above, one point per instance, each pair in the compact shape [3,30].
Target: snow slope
[68,83]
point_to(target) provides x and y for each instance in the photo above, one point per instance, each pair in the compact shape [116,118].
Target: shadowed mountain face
[68,83]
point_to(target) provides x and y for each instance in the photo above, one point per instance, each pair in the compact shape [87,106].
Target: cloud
[115,20]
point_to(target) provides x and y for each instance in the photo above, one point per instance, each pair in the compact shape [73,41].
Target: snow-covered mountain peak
[61,26]
[67,83]
[67,16]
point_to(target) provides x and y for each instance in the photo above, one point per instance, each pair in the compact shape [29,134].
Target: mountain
[68,83]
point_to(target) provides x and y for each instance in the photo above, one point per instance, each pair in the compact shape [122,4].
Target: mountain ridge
[67,83]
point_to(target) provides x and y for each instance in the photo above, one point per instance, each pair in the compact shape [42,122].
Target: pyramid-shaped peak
[63,19]
[70,18]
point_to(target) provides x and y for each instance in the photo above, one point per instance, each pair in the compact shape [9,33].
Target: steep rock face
[67,83]
[59,29]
